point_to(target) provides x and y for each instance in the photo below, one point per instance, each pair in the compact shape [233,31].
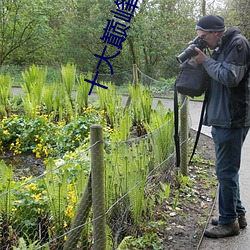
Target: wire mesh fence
[46,210]
[158,87]
[55,210]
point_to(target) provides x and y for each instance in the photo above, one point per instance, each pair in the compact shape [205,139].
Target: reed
[5,90]
[33,86]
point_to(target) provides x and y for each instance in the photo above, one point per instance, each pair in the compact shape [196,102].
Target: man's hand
[200,58]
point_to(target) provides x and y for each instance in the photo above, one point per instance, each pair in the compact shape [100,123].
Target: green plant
[48,98]
[184,181]
[68,74]
[5,90]
[176,199]
[161,128]
[111,103]
[45,138]
[147,241]
[65,181]
[62,104]
[23,246]
[30,208]
[121,131]
[141,104]
[33,85]
[6,196]
[29,244]
[164,191]
[23,134]
[126,172]
[82,94]
[56,187]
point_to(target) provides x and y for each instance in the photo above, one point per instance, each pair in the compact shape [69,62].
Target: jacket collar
[231,32]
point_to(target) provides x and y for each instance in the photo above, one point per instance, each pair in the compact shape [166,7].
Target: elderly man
[228,112]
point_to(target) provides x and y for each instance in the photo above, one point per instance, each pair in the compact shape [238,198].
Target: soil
[186,223]
[25,164]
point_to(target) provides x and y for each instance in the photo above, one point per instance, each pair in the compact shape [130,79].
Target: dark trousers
[228,145]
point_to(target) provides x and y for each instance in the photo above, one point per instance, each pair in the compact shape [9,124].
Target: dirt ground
[187,223]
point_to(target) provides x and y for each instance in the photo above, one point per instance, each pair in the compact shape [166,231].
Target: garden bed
[178,222]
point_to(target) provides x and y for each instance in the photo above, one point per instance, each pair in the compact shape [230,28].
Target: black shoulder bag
[191,81]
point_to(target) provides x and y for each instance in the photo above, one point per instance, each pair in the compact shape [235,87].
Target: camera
[190,51]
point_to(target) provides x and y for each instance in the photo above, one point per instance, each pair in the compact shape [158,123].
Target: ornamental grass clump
[126,168]
[34,80]
[111,103]
[141,106]
[82,93]
[5,91]
[160,131]
[68,75]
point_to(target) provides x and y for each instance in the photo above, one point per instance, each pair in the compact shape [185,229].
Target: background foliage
[49,32]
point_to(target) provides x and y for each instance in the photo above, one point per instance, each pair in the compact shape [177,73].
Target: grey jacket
[228,103]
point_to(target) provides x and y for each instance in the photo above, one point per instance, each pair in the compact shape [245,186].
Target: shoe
[221,231]
[241,219]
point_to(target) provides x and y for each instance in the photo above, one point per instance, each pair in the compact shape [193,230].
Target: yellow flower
[38,156]
[45,151]
[6,132]
[17,152]
[37,196]
[31,187]
[102,112]
[73,199]
[69,211]
[14,209]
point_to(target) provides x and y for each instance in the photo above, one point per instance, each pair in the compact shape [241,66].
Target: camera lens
[187,53]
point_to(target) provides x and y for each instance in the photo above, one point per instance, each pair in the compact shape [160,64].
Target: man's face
[211,38]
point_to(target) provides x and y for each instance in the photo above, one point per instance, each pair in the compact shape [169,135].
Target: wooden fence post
[80,218]
[135,74]
[98,195]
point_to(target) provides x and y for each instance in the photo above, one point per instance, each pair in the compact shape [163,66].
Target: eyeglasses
[203,36]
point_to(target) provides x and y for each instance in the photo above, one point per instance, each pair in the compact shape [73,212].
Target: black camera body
[190,51]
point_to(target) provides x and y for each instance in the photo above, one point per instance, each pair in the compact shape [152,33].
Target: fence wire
[40,211]
[158,87]
[43,210]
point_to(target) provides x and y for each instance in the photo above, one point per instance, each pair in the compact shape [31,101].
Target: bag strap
[199,127]
[176,126]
